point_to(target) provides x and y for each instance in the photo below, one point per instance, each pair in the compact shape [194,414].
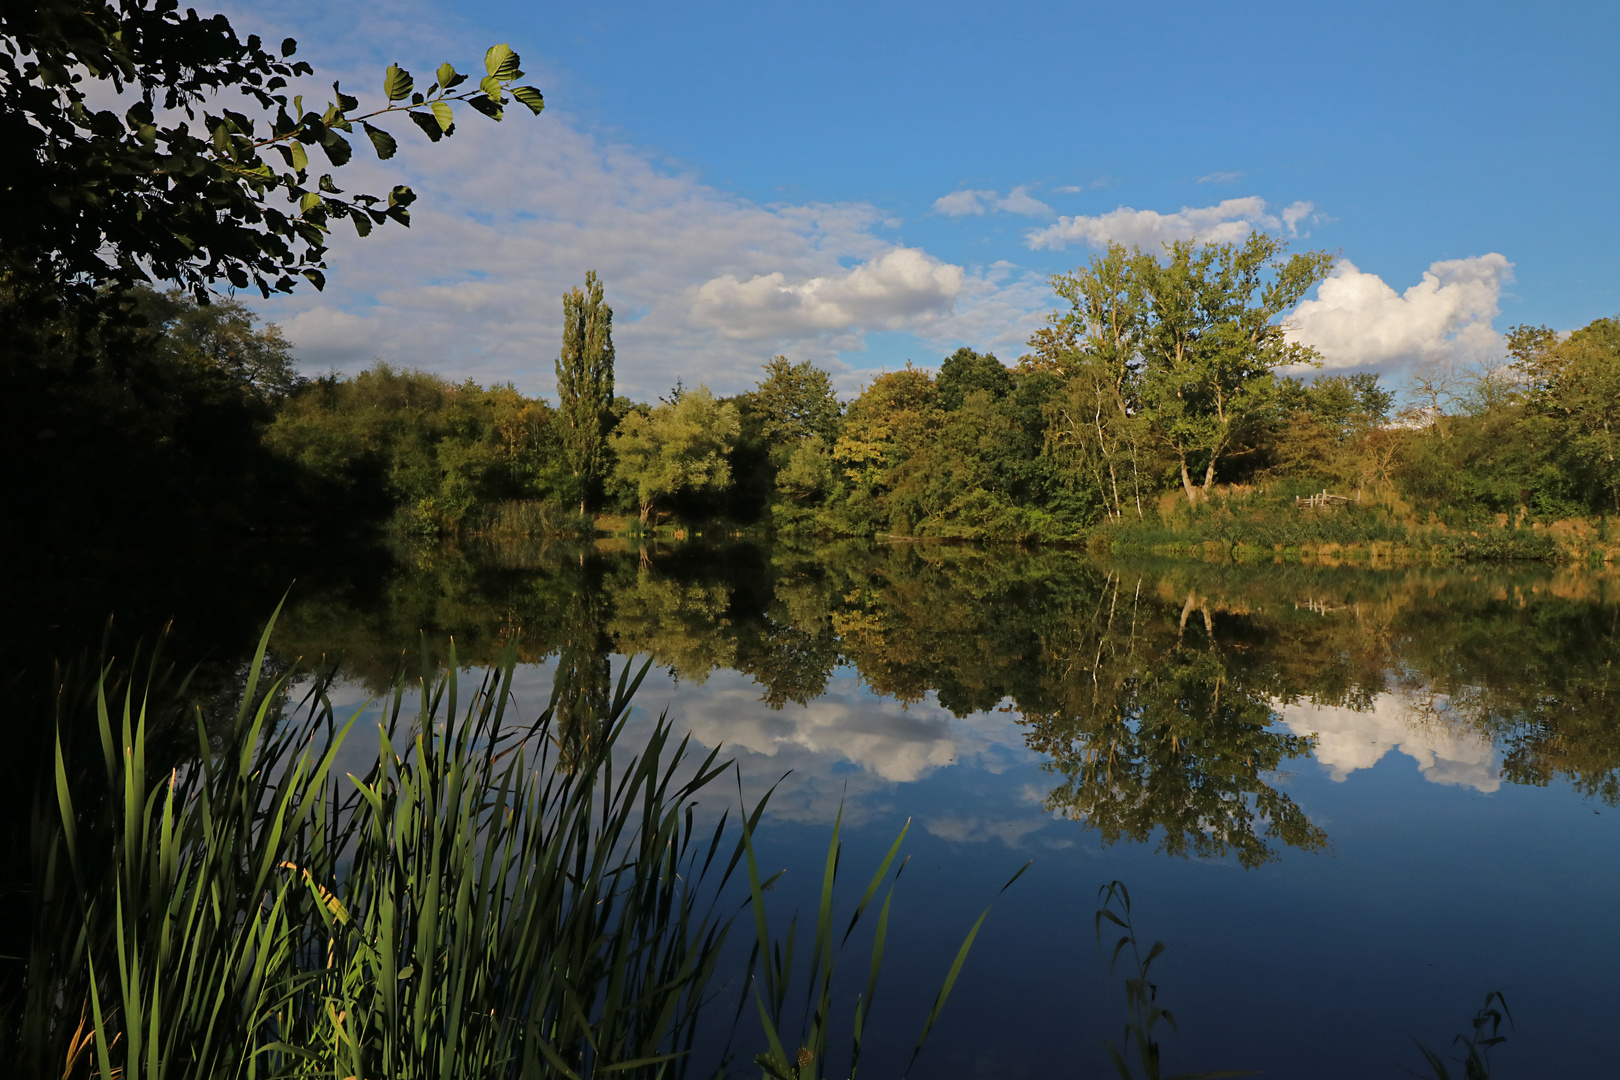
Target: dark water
[1351,802]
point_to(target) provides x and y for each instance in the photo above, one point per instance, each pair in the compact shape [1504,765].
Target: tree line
[1164,377]
[1159,373]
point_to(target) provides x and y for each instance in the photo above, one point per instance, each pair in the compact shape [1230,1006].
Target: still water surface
[1350,801]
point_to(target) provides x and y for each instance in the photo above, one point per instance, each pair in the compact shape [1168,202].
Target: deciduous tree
[796,401]
[1212,336]
[680,446]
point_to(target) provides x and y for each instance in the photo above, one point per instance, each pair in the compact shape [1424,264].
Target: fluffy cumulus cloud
[971,201]
[1228,220]
[704,285]
[1445,750]
[1357,320]
[890,291]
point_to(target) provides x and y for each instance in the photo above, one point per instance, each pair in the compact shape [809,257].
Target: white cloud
[1356,320]
[886,292]
[849,747]
[971,201]
[1222,178]
[964,202]
[970,830]
[998,308]
[1020,201]
[512,215]
[1227,221]
[1446,750]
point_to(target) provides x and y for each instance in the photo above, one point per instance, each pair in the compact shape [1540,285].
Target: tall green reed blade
[808,1062]
[956,970]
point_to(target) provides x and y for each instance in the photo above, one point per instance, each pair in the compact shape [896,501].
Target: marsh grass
[464,908]
[1252,522]
[485,899]
[528,518]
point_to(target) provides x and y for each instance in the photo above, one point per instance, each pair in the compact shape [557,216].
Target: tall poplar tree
[585,383]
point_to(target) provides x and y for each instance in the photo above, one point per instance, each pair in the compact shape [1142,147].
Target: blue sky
[861,184]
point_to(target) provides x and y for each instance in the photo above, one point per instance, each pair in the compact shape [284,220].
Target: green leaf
[327,185]
[401,196]
[300,157]
[362,224]
[502,63]
[397,83]
[288,47]
[318,278]
[446,118]
[310,201]
[448,76]
[430,126]
[490,85]
[338,151]
[383,141]
[484,105]
[531,97]
[345,101]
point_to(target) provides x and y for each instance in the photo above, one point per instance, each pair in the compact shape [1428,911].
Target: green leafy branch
[179,185]
[431,111]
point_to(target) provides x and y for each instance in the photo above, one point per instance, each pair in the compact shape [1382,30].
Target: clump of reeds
[528,518]
[486,899]
[1477,1046]
[465,908]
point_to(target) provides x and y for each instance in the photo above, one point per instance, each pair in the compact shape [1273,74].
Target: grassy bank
[1278,523]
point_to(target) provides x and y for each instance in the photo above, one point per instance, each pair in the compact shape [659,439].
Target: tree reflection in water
[1171,734]
[1154,691]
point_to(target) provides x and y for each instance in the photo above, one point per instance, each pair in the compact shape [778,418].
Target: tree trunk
[1186,484]
[646,512]
[1209,474]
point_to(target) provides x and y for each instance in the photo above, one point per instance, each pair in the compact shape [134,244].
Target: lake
[1350,801]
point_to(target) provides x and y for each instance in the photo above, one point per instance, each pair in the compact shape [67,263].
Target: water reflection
[1169,704]
[1445,747]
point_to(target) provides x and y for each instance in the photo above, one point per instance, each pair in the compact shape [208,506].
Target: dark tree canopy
[965,371]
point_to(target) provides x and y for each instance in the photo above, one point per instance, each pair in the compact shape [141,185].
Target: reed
[486,899]
[1143,1011]
[528,518]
